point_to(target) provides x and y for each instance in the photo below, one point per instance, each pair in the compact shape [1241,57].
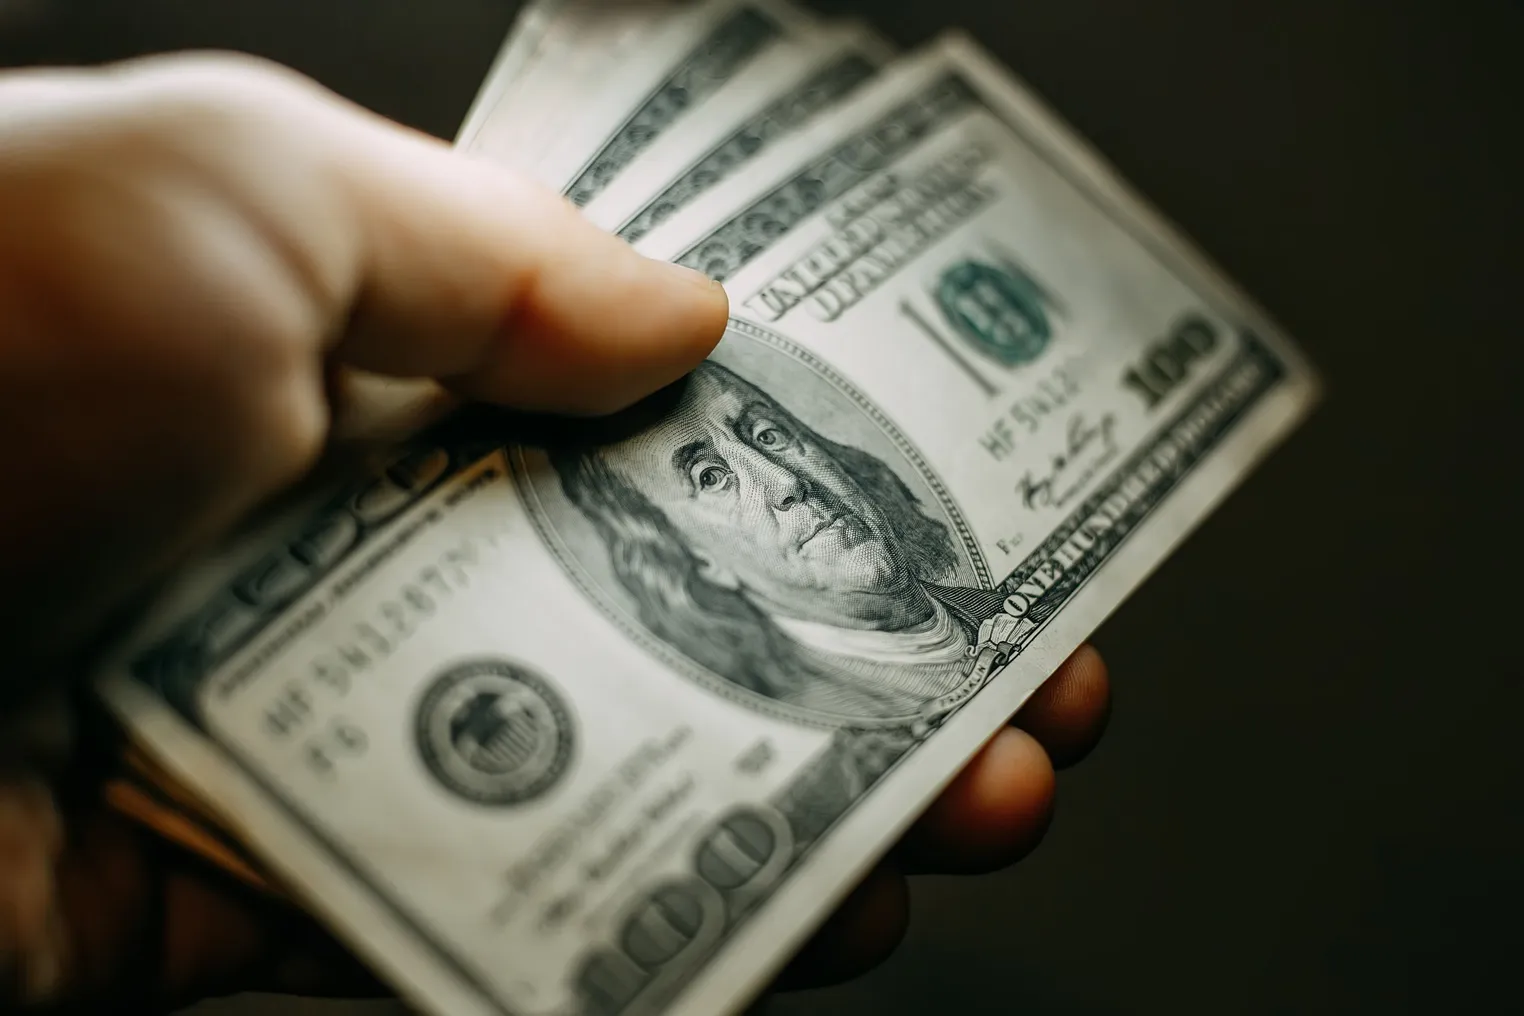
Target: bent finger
[994,812]
[1068,714]
[864,930]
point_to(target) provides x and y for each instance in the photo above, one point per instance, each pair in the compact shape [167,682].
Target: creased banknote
[604,717]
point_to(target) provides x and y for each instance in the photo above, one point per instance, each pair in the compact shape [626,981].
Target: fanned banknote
[683,62]
[555,54]
[754,111]
[604,717]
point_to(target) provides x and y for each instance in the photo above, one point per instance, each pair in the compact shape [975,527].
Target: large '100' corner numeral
[1168,361]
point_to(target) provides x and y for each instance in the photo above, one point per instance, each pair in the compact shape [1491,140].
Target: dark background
[1310,796]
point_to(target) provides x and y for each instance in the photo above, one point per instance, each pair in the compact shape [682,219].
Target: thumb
[190,241]
[422,261]
[498,286]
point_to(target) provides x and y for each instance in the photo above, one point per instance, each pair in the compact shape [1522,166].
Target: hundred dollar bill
[747,117]
[604,717]
[504,109]
[682,64]
[552,59]
[553,69]
[548,65]
[508,67]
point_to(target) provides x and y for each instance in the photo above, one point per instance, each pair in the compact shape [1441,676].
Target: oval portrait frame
[529,470]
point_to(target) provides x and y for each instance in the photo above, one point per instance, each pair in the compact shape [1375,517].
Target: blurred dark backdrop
[1310,797]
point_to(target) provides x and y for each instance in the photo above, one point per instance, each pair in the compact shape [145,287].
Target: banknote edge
[1269,426]
[1174,524]
[786,18]
[1307,392]
[1031,119]
[865,50]
[507,64]
[776,932]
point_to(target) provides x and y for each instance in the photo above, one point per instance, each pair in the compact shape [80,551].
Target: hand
[993,814]
[193,247]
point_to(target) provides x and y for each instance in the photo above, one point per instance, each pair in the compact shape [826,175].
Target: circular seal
[999,313]
[494,733]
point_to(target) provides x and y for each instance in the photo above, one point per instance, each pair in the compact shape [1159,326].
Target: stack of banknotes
[605,718]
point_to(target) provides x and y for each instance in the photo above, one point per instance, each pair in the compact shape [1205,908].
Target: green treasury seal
[999,313]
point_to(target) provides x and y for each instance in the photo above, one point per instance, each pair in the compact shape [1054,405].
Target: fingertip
[862,933]
[992,814]
[500,288]
[708,304]
[599,327]
[707,296]
[1068,714]
[685,315]
[645,327]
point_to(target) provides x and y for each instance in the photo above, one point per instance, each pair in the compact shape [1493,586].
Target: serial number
[354,652]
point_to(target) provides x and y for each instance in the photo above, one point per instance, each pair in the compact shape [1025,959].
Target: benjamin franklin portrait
[791,563]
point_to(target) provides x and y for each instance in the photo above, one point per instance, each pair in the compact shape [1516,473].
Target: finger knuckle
[298,430]
[280,431]
[261,404]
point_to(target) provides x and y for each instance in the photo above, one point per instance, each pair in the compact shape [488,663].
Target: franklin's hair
[716,627]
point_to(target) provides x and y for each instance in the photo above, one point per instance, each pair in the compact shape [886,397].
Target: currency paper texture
[552,59]
[776,98]
[605,717]
[685,61]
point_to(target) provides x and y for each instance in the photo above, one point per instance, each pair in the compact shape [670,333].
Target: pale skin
[190,250]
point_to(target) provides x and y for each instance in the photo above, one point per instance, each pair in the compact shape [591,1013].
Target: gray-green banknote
[605,718]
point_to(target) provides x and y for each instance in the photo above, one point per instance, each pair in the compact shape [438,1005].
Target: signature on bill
[1088,447]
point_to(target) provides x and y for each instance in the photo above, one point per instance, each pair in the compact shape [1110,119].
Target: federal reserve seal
[998,311]
[494,733]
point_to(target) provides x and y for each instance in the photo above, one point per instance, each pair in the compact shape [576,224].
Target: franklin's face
[761,505]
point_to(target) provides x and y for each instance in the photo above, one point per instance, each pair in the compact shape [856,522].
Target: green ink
[1000,312]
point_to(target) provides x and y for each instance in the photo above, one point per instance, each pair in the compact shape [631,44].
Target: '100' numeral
[1168,362]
